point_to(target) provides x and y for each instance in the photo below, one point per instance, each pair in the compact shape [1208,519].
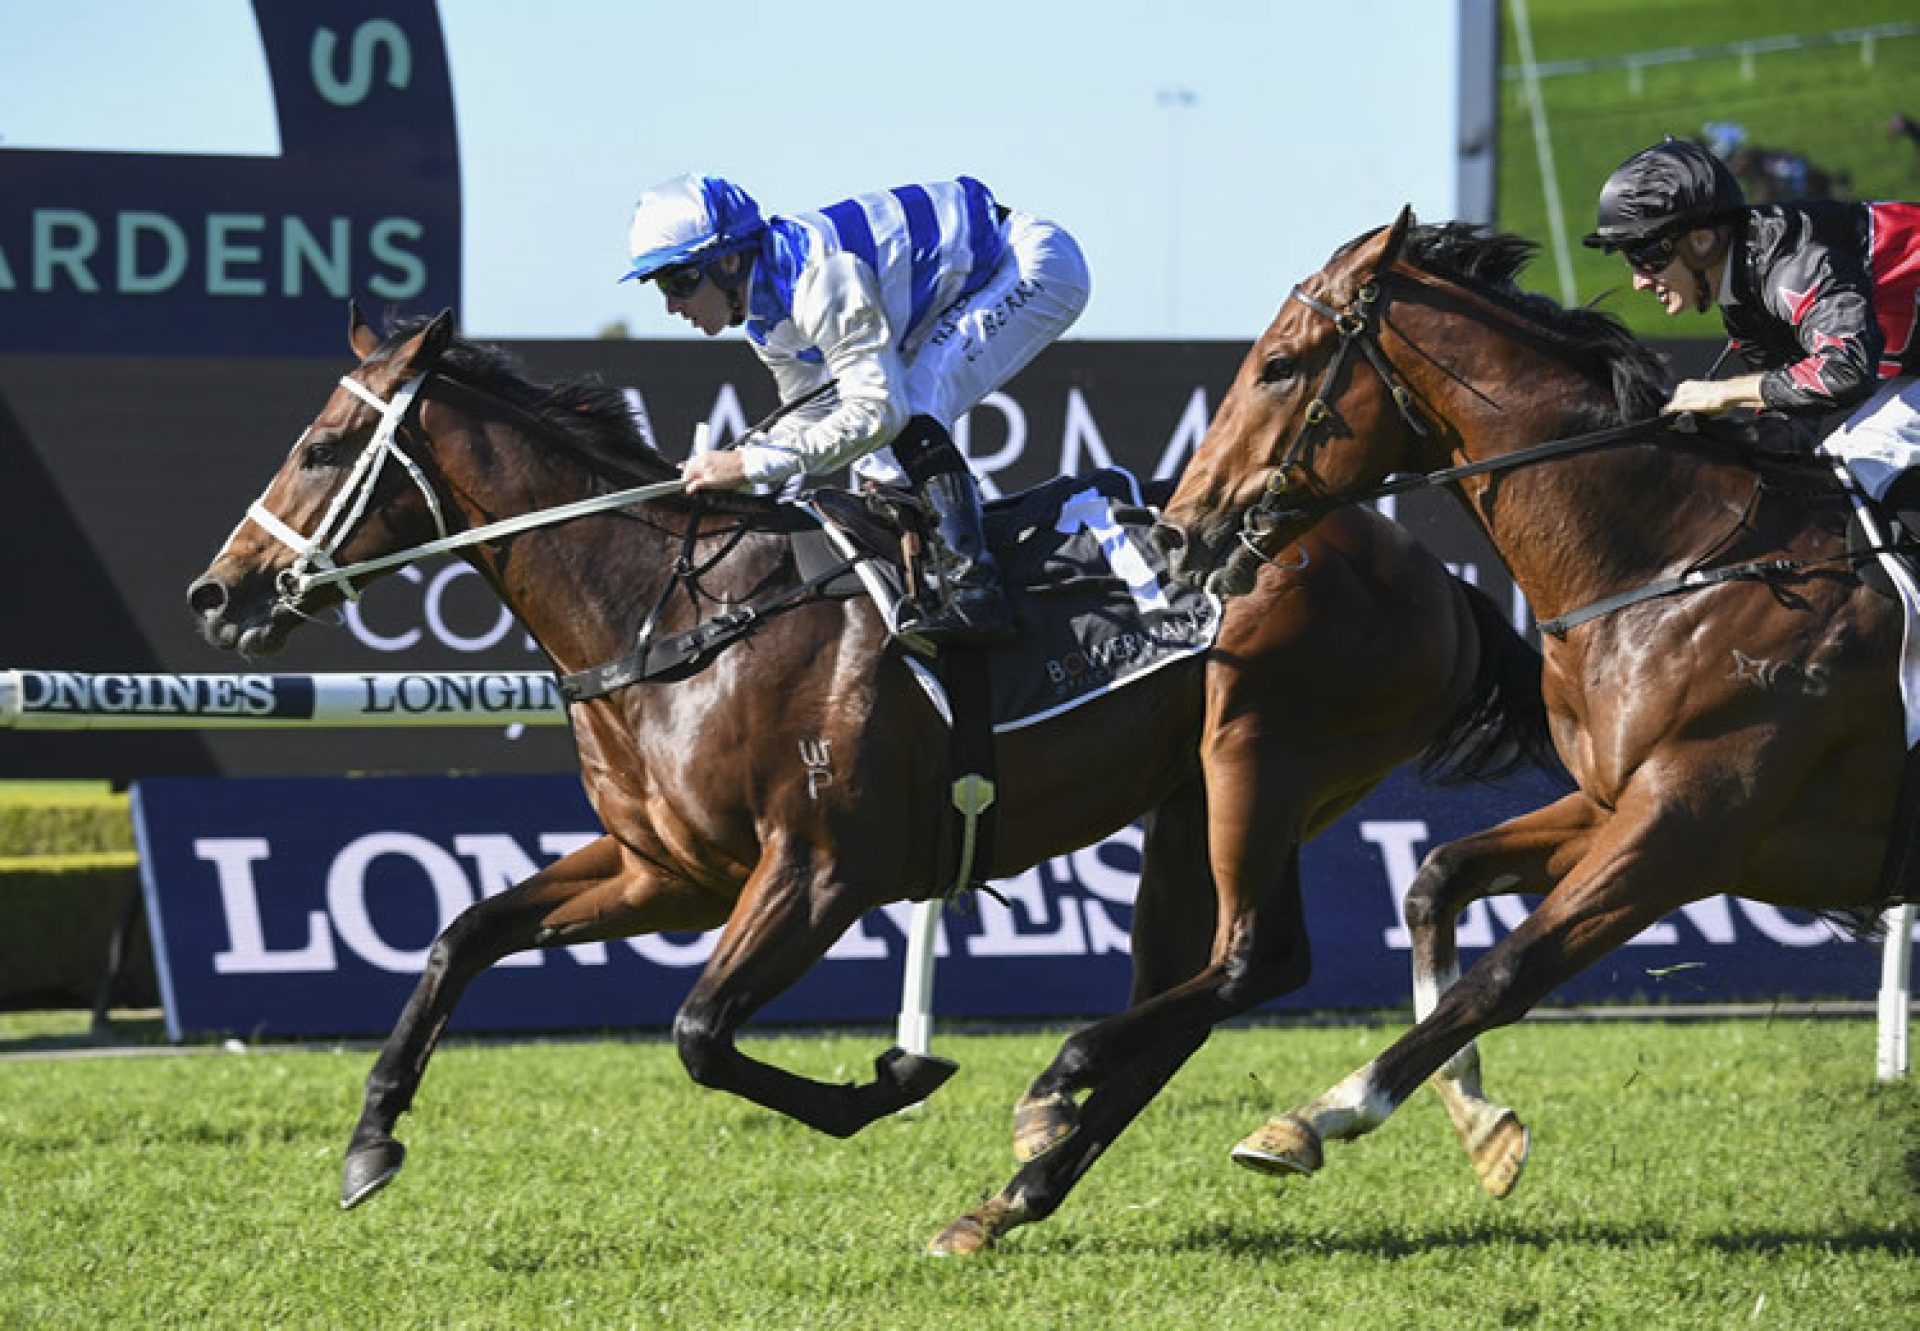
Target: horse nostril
[1170,539]
[207,597]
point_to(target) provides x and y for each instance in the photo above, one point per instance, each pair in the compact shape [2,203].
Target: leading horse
[1720,681]
[1322,680]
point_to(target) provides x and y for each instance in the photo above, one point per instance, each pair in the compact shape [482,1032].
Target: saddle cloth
[1089,592]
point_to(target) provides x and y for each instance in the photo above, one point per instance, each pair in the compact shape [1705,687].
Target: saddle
[1089,593]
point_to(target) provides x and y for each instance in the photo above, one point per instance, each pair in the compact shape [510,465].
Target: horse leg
[1042,1184]
[594,893]
[1611,895]
[1524,853]
[1058,1139]
[1259,951]
[788,916]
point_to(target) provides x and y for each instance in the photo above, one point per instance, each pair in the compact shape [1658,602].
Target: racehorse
[1720,682]
[1325,678]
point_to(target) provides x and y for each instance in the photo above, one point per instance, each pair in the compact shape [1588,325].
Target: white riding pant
[1882,437]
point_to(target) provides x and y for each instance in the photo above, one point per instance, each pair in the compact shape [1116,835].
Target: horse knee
[1434,897]
[1252,979]
[702,1049]
[1493,991]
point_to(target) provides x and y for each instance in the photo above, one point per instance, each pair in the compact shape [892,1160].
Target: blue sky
[1207,153]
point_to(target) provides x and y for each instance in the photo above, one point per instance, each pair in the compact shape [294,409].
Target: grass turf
[1683,1175]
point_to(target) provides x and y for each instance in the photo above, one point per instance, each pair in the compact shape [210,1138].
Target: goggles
[1651,255]
[680,281]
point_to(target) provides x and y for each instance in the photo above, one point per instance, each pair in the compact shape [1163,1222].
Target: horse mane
[1487,262]
[587,418]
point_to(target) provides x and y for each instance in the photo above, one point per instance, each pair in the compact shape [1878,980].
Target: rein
[1358,324]
[313,564]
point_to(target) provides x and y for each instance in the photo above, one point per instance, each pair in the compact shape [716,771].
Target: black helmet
[1668,188]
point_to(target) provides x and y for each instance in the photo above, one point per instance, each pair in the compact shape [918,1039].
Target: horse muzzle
[263,632]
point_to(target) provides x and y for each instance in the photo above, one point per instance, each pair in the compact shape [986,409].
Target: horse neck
[1571,529]
[581,587]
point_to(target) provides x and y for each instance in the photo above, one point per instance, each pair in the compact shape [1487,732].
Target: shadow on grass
[61,1032]
[1248,1239]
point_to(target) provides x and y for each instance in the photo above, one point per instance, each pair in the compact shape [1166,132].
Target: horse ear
[1397,236]
[428,343]
[360,336]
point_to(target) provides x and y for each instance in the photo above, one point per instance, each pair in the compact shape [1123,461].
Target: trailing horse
[1721,681]
[1319,682]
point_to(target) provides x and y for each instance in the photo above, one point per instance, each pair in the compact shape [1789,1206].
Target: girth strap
[651,659]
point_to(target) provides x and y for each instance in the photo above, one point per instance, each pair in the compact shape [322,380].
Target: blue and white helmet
[690,220]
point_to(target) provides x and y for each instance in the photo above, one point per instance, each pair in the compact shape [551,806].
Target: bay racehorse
[1721,683]
[1322,679]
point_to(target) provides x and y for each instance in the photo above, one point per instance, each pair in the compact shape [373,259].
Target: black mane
[1488,261]
[587,418]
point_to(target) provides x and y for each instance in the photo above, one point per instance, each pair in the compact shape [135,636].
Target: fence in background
[69,700]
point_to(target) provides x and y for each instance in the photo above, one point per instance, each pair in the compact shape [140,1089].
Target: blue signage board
[121,253]
[306,906]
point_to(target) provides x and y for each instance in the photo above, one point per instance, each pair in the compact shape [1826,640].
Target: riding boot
[973,606]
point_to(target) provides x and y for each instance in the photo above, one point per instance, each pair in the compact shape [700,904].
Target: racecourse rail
[71,700]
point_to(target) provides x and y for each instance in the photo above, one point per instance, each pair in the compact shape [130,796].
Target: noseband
[313,554]
[1358,328]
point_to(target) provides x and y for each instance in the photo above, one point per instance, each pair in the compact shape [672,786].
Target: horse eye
[320,453]
[1279,370]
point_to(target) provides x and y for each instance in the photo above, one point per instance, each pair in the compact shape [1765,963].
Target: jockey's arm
[836,308]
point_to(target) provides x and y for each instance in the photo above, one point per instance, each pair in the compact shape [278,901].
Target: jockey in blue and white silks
[914,302]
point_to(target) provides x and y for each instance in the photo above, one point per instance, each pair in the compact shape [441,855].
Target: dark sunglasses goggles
[1650,255]
[680,281]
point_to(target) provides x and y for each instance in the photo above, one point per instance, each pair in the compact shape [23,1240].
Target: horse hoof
[369,1169]
[1283,1145]
[1499,1157]
[913,1077]
[965,1237]
[1042,1123]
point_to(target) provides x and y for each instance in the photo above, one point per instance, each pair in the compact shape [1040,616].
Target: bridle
[1358,329]
[1293,476]
[313,563]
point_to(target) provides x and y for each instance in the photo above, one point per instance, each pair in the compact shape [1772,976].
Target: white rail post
[1896,973]
[915,1032]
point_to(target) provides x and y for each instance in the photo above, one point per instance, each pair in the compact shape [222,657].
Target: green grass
[1711,1175]
[1823,102]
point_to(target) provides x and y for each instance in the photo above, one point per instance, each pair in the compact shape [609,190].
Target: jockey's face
[706,307]
[710,307]
[1689,279]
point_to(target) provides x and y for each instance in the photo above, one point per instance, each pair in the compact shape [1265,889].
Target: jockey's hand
[715,470]
[1714,397]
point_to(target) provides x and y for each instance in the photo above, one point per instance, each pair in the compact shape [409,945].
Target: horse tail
[1502,726]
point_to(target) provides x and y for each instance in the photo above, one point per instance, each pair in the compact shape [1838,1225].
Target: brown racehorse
[1322,680]
[1720,682]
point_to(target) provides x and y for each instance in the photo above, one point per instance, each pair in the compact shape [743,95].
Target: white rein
[313,564]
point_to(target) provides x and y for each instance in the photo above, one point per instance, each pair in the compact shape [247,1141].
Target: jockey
[915,303]
[1819,298]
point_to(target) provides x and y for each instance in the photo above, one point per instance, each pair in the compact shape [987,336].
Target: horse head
[349,490]
[1305,421]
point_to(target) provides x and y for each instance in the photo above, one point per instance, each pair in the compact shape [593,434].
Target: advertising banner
[303,907]
[117,253]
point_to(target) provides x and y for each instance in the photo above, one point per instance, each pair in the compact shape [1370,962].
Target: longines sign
[146,253]
[307,907]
